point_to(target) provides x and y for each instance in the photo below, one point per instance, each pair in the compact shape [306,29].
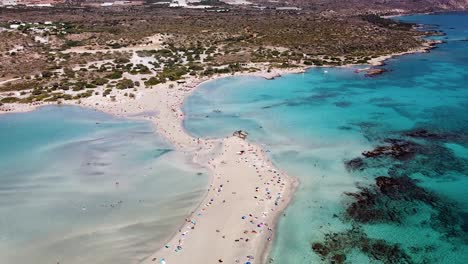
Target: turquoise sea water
[406,202]
[79,186]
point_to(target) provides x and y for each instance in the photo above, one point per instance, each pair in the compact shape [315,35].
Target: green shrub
[8,100]
[153,81]
[125,84]
[114,75]
[100,81]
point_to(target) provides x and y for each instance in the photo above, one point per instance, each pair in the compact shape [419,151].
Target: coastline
[168,123]
[291,183]
[205,152]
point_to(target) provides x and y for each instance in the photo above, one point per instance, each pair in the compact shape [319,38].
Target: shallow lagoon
[80,186]
[313,124]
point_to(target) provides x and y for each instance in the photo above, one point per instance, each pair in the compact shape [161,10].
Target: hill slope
[381,6]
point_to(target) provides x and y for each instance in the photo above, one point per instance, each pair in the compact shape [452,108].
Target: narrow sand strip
[235,222]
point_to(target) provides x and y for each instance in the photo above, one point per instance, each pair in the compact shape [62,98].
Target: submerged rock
[397,148]
[388,200]
[421,133]
[403,188]
[338,258]
[392,199]
[343,104]
[375,72]
[354,164]
[433,160]
[368,208]
[425,134]
[336,245]
[345,128]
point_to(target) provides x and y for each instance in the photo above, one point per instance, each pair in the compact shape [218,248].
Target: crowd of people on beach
[253,224]
[266,196]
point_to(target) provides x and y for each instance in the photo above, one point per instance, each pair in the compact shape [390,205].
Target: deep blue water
[80,186]
[406,202]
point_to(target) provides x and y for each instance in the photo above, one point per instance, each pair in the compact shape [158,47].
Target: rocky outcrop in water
[392,199]
[422,133]
[336,245]
[427,148]
[396,148]
[374,72]
[354,164]
[393,148]
[388,200]
[403,188]
[433,160]
[343,104]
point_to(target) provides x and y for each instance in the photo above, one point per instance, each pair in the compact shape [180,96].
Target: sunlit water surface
[79,186]
[314,123]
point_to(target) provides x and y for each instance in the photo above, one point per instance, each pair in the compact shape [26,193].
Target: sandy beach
[236,220]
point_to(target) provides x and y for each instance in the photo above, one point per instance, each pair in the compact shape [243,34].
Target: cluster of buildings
[112,3]
[31,2]
[79,2]
[39,29]
[108,3]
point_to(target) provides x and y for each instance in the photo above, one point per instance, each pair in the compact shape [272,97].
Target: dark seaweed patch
[403,188]
[312,99]
[396,148]
[365,125]
[398,108]
[380,100]
[322,96]
[161,152]
[274,105]
[428,157]
[387,201]
[464,217]
[343,104]
[390,200]
[345,128]
[432,160]
[354,164]
[336,245]
[422,133]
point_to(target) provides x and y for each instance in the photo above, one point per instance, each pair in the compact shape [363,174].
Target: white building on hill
[7,2]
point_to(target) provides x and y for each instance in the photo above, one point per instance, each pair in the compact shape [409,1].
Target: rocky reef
[375,72]
[388,200]
[394,197]
[396,148]
[421,150]
[423,133]
[434,135]
[354,164]
[336,246]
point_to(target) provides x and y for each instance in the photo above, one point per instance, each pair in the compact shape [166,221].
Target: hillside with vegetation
[67,53]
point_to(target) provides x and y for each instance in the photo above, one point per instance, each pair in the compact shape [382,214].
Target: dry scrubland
[66,53]
[379,6]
